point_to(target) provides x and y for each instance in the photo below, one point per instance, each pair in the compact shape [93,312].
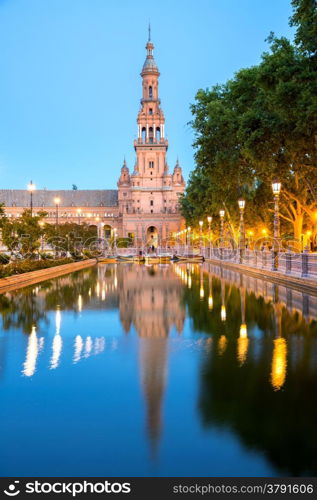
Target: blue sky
[70,85]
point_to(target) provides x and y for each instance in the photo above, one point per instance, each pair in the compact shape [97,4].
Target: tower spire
[149,32]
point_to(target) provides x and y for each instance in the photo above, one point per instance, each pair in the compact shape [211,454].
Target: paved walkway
[303,284]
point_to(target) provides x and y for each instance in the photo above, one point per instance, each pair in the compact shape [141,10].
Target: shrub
[26,266]
[88,254]
[4,259]
[46,255]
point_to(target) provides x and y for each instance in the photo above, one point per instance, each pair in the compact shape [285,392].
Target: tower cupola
[124,179]
[149,66]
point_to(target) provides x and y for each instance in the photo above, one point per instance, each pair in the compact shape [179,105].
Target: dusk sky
[70,80]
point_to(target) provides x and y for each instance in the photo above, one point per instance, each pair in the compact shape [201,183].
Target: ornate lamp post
[241,230]
[57,201]
[201,235]
[31,189]
[276,188]
[78,214]
[41,224]
[188,236]
[222,215]
[115,238]
[209,219]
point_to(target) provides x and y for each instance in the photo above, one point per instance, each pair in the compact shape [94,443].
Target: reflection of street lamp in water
[223,313]
[279,363]
[201,290]
[279,359]
[210,298]
[243,341]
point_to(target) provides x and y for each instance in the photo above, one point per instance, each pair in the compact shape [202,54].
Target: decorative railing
[300,264]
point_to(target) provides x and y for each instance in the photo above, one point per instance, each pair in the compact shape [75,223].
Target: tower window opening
[143,134]
[151,135]
[151,203]
[150,92]
[150,111]
[151,213]
[158,134]
[151,164]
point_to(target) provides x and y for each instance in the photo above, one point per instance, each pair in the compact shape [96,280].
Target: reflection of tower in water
[153,361]
[151,302]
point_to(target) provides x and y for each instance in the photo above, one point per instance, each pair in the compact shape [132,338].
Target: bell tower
[148,198]
[151,180]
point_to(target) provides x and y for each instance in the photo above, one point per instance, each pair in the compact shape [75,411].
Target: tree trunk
[298,229]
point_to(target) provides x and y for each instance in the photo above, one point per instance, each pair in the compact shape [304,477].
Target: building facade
[145,207]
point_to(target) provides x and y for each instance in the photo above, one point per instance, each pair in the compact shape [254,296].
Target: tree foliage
[23,234]
[258,126]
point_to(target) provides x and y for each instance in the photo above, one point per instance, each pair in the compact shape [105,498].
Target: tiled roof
[68,198]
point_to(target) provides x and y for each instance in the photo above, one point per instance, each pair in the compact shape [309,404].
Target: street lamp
[57,201]
[78,213]
[241,204]
[276,188]
[115,237]
[222,215]
[201,234]
[31,189]
[41,224]
[188,236]
[209,219]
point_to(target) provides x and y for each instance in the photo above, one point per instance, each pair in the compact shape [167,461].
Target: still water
[173,370]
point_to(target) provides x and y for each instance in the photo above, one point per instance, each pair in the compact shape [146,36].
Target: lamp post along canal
[201,235]
[31,189]
[241,230]
[57,202]
[276,188]
[209,219]
[222,215]
[78,214]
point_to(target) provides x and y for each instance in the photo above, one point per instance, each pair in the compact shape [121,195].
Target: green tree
[23,234]
[3,217]
[70,236]
[259,125]
[305,19]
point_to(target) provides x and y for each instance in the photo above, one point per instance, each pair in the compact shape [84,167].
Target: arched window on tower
[158,134]
[143,134]
[150,92]
[151,135]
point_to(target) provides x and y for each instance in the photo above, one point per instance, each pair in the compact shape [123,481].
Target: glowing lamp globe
[241,204]
[31,187]
[276,187]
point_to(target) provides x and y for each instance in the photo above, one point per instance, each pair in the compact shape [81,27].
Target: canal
[171,370]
